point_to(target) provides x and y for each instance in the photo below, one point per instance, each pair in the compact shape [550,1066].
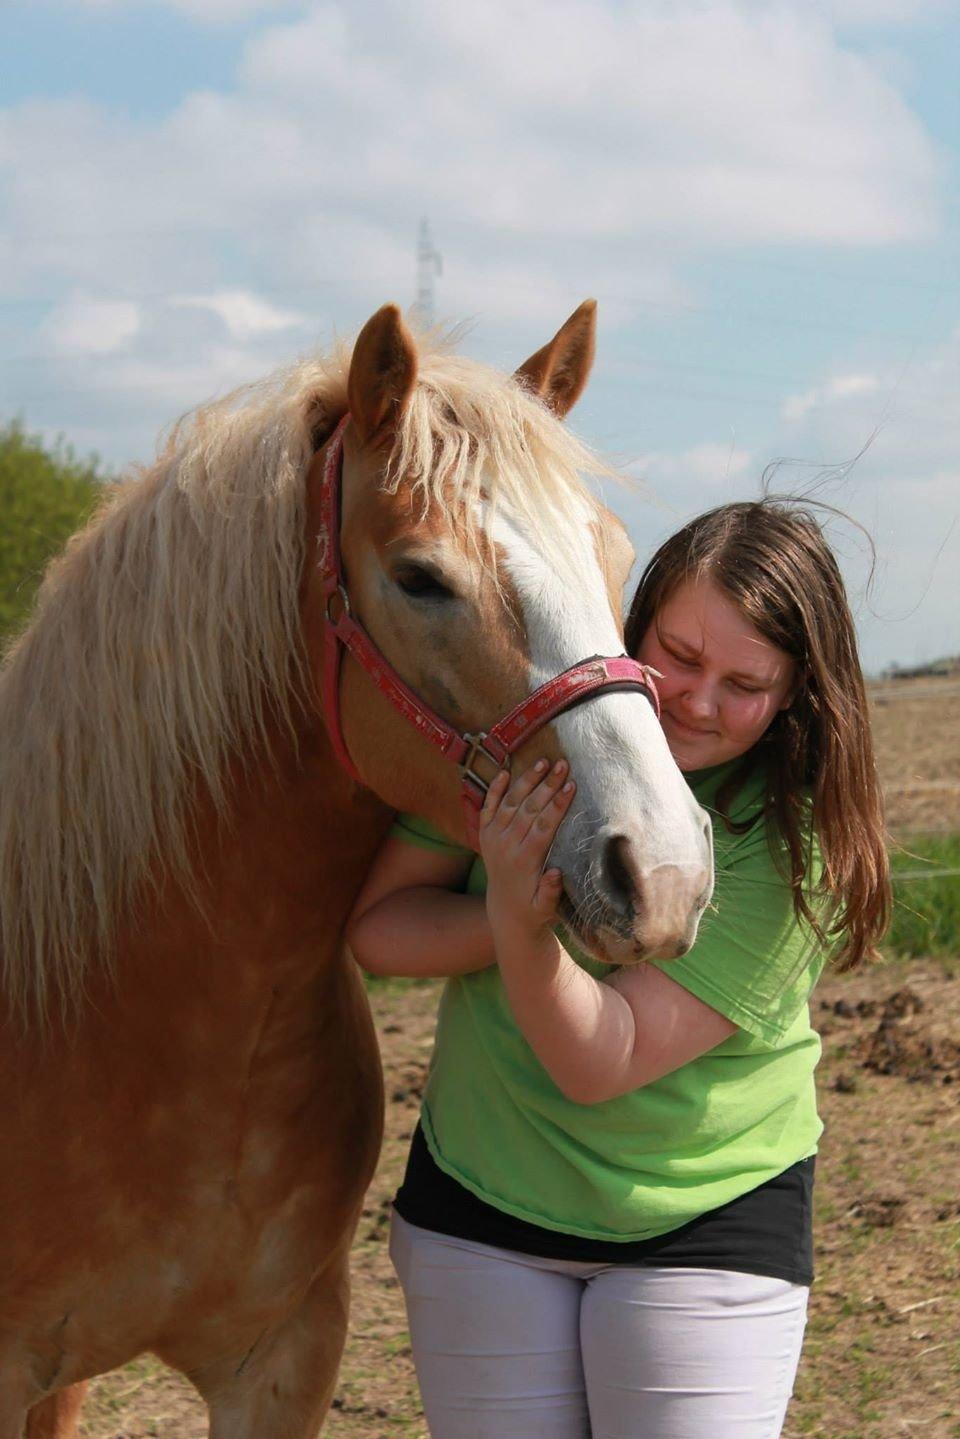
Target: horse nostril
[617,877]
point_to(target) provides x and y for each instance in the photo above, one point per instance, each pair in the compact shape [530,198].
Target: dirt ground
[882,1355]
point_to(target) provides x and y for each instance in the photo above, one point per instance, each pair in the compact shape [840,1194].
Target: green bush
[926,900]
[45,494]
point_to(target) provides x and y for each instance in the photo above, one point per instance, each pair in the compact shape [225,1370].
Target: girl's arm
[409,921]
[596,1041]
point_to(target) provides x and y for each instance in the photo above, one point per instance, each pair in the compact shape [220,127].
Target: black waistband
[766,1231]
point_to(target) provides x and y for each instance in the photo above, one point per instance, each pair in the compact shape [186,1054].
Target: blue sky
[763,197]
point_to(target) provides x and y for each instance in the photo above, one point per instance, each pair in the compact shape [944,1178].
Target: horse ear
[559,372]
[383,372]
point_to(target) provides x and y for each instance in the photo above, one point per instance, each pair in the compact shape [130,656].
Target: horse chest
[217,1182]
[286,1197]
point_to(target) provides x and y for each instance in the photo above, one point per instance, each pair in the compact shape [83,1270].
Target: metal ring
[346,612]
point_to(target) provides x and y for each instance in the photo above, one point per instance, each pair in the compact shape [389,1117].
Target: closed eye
[687,663]
[419,583]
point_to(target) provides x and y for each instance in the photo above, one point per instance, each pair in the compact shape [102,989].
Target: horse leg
[56,1416]
[281,1389]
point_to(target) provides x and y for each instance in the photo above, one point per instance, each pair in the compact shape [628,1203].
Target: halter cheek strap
[343,634]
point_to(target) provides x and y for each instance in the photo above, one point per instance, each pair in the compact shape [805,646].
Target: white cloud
[870,13]
[245,315]
[838,387]
[554,139]
[86,326]
[561,148]
[177,384]
[704,467]
[904,489]
[606,121]
[912,409]
[205,11]
[230,10]
[902,428]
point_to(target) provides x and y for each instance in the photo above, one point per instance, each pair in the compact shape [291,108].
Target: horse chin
[599,940]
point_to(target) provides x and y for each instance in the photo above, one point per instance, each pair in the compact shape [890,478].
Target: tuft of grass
[926,901]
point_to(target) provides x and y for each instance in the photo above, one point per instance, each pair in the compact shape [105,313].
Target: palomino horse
[191,1090]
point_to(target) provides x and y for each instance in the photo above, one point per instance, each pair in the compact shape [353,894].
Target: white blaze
[627,782]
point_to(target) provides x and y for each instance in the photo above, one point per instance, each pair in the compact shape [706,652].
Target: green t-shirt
[642,1164]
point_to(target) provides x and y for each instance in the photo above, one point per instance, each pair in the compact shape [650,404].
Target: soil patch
[882,1356]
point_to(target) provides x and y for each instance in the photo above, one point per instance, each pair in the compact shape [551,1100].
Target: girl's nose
[701,702]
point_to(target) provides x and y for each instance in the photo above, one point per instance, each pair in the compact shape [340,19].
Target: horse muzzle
[627,907]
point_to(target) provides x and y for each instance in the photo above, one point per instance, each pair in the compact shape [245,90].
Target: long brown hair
[770,558]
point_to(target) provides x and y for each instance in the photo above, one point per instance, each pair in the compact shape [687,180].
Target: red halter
[342,632]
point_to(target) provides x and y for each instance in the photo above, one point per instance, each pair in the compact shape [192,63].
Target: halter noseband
[342,633]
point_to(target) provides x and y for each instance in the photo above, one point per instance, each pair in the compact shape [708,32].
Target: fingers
[505,799]
[518,825]
[515,806]
[544,824]
[544,807]
[528,828]
[495,793]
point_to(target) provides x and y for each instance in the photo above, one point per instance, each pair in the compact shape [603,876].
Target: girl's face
[723,683]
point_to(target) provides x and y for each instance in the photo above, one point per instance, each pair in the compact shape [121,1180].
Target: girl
[610,1161]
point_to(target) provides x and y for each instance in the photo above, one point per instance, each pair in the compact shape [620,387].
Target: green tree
[45,494]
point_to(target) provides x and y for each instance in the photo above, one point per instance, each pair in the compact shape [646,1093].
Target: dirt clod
[877,1211]
[901,1003]
[894,1048]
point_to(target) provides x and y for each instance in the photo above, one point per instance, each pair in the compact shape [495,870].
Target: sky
[763,198]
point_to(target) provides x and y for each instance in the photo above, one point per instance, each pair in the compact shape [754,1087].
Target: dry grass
[916,726]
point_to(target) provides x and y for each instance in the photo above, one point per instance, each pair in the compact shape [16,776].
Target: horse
[190,798]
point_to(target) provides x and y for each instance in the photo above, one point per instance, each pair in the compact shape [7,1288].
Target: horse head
[481,567]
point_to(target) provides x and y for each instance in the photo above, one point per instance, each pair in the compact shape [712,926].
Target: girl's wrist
[522,943]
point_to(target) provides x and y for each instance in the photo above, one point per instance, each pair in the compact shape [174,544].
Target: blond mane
[166,638]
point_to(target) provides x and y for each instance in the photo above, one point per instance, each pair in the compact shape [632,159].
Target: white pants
[508,1346]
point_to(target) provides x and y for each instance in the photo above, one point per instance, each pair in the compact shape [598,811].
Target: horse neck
[280,869]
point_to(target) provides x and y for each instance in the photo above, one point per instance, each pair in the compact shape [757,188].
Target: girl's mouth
[685,728]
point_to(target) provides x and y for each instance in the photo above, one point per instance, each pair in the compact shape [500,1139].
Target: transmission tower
[429,265]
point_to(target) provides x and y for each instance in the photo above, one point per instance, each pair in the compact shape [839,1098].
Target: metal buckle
[469,773]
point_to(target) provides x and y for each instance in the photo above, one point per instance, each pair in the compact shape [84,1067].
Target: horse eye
[421,584]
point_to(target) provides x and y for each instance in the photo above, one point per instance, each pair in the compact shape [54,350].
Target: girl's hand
[518,824]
